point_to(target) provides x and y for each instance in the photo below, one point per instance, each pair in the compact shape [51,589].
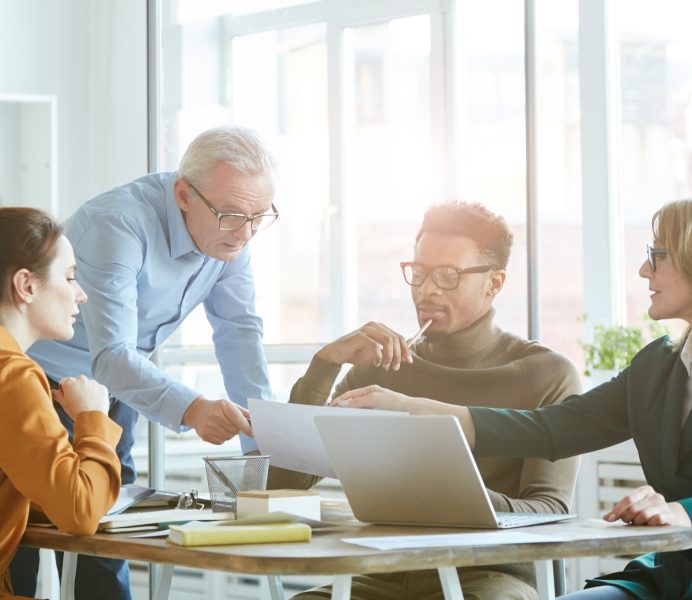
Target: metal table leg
[341,587]
[163,586]
[545,579]
[69,570]
[276,588]
[451,588]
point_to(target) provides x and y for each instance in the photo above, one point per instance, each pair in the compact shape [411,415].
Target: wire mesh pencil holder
[228,475]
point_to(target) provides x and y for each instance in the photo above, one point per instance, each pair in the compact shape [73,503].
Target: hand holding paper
[288,433]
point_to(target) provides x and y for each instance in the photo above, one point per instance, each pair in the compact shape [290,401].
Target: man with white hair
[148,253]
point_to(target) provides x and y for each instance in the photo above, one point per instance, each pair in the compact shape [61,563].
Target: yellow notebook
[218,535]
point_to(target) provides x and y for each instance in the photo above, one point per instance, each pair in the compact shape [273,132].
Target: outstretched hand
[217,421]
[373,344]
[645,506]
[374,396]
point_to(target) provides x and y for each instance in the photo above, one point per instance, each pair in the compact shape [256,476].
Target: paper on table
[287,432]
[130,494]
[587,529]
[150,534]
[489,538]
[113,523]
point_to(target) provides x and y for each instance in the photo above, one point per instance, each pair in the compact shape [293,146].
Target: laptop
[415,470]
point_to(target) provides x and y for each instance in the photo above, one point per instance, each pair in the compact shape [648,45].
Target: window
[655,128]
[344,92]
[378,109]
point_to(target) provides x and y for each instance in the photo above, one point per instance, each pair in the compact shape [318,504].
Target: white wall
[92,56]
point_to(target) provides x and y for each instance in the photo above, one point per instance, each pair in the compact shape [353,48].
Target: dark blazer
[644,402]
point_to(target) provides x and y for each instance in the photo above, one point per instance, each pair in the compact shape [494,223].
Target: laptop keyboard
[509,519]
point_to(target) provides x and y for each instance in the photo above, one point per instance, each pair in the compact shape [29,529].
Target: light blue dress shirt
[143,275]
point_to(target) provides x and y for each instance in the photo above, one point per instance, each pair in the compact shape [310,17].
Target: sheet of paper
[130,494]
[287,432]
[156,517]
[488,538]
[151,534]
[565,531]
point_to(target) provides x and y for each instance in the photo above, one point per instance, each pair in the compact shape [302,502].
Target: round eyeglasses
[233,221]
[446,277]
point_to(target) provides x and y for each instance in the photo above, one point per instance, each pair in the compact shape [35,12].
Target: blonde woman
[74,484]
[648,402]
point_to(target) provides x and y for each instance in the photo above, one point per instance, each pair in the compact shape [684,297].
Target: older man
[148,253]
[458,269]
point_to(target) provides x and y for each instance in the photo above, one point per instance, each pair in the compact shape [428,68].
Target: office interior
[571,118]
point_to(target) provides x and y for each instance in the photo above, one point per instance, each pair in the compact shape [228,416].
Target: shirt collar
[686,354]
[180,240]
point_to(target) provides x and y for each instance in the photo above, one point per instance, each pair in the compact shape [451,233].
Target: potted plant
[612,348]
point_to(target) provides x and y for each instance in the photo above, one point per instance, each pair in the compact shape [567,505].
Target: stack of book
[158,519]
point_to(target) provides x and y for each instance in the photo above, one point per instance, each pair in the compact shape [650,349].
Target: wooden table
[326,554]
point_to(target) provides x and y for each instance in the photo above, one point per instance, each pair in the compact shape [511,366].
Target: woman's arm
[374,396]
[74,484]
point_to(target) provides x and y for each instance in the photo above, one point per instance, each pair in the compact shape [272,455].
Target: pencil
[420,332]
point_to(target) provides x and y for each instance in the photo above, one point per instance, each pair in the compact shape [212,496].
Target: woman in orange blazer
[73,484]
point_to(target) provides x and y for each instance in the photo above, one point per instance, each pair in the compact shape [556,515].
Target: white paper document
[449,540]
[287,432]
[567,531]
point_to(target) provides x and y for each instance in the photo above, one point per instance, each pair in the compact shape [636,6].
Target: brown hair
[488,230]
[28,239]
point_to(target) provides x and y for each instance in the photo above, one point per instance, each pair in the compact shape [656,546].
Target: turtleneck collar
[467,346]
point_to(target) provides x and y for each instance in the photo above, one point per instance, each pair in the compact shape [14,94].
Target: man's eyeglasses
[653,253]
[446,277]
[233,221]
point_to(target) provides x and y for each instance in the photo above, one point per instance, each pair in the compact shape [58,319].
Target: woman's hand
[645,506]
[80,394]
[374,396]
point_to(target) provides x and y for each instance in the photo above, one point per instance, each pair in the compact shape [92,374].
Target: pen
[420,332]
[222,476]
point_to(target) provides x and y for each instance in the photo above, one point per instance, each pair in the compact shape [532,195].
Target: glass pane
[275,82]
[492,168]
[559,177]
[387,158]
[191,10]
[279,87]
[656,127]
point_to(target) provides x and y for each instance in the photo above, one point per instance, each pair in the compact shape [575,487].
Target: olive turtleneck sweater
[478,366]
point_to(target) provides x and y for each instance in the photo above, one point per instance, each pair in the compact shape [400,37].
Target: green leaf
[612,348]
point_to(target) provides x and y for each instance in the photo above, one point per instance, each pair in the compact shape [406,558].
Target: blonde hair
[672,229]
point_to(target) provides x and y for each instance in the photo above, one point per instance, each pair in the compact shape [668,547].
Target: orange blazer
[73,484]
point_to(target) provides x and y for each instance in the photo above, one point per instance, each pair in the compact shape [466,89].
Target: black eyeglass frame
[220,215]
[430,271]
[651,255]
